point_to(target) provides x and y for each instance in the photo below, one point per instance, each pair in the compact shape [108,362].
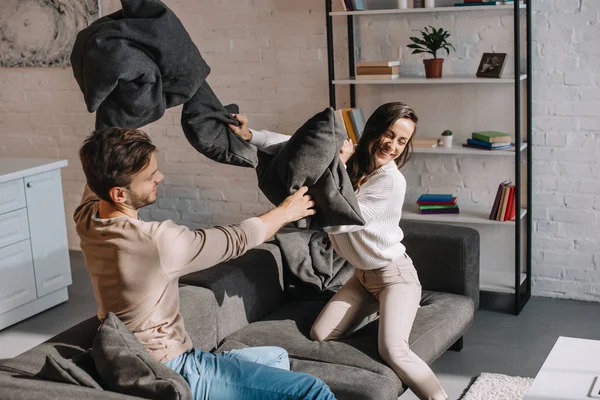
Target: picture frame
[491,65]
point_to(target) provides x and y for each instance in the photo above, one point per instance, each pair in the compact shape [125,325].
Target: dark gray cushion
[311,269]
[204,121]
[349,383]
[129,78]
[125,366]
[245,288]
[60,369]
[311,158]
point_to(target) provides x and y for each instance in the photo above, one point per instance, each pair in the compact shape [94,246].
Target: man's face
[142,190]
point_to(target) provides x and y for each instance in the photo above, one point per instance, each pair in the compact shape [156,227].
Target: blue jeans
[255,373]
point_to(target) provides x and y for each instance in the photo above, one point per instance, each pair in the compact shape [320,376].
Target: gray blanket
[311,268]
[135,63]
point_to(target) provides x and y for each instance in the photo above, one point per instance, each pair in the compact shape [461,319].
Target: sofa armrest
[245,288]
[445,256]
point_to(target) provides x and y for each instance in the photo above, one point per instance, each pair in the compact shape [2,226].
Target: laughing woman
[385,278]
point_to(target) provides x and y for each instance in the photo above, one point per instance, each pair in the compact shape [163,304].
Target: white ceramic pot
[447,141]
[429,3]
[402,3]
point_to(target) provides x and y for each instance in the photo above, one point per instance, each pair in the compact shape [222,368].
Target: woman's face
[393,142]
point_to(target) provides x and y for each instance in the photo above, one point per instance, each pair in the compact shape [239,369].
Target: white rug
[497,387]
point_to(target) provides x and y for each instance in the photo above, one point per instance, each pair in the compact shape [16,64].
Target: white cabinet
[34,258]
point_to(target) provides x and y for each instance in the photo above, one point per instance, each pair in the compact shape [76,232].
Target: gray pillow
[126,367]
[60,369]
[311,158]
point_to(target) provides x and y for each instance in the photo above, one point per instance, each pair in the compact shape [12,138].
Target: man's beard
[137,202]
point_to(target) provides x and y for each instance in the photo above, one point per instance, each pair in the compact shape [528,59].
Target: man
[135,266]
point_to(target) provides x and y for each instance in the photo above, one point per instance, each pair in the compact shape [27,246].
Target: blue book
[358,5]
[490,145]
[435,198]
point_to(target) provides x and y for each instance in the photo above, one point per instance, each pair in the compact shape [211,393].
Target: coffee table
[571,372]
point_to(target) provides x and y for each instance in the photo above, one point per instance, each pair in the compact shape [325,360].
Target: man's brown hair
[110,157]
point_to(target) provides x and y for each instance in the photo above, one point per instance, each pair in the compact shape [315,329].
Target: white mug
[402,3]
[429,3]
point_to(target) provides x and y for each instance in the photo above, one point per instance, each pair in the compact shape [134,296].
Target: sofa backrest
[245,289]
[446,257]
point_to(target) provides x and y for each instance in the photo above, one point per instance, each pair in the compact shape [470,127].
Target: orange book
[348,123]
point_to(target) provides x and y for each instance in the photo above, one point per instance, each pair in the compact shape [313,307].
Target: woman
[384,278]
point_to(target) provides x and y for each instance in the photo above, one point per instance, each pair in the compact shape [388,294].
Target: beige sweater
[378,242]
[135,265]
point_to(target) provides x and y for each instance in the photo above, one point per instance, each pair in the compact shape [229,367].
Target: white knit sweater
[377,243]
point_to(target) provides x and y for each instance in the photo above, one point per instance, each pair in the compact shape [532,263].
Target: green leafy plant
[447,132]
[432,41]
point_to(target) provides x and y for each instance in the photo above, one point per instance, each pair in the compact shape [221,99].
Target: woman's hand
[242,130]
[346,151]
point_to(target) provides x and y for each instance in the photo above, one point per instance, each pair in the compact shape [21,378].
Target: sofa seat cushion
[349,383]
[441,320]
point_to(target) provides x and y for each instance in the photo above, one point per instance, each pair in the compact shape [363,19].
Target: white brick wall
[270,58]
[567,132]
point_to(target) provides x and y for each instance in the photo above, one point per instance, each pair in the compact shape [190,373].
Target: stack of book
[490,140]
[352,121]
[426,142]
[504,208]
[437,204]
[378,70]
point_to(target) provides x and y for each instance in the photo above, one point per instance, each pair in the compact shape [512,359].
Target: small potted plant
[447,138]
[432,40]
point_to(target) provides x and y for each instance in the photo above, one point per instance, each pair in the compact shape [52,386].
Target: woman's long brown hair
[362,163]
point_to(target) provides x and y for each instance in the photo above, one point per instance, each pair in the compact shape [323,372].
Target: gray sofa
[243,303]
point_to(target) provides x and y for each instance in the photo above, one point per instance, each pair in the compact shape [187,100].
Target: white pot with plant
[447,138]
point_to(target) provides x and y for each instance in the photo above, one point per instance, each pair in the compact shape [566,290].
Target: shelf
[498,281]
[467,151]
[426,10]
[468,215]
[420,80]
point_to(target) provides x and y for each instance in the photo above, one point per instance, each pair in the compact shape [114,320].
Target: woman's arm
[265,141]
[268,142]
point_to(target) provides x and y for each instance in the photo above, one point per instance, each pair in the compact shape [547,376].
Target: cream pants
[396,292]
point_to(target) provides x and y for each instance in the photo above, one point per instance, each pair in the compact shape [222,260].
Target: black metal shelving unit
[508,302]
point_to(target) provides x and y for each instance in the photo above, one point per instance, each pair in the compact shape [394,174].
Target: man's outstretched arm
[183,251]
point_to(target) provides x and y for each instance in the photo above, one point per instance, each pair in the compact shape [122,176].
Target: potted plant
[447,138]
[432,41]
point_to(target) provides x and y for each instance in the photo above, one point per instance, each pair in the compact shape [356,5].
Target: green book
[492,136]
[438,207]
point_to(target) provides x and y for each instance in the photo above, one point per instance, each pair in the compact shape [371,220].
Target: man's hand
[242,130]
[346,151]
[293,208]
[298,205]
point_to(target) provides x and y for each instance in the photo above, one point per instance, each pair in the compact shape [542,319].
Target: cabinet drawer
[17,282]
[14,227]
[12,196]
